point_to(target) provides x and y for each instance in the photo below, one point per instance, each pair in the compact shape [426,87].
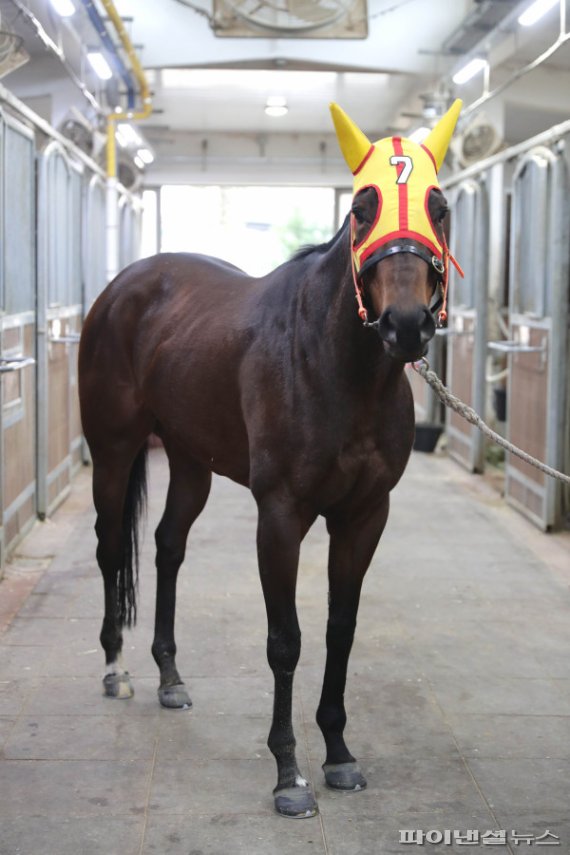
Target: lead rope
[422,368]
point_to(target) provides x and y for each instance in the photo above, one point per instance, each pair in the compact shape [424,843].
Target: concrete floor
[458,693]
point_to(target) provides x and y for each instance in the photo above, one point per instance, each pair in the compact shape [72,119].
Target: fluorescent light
[65,8]
[99,65]
[419,135]
[145,155]
[276,105]
[139,162]
[128,134]
[276,111]
[470,70]
[536,10]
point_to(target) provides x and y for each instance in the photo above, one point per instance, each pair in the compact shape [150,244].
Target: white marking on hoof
[116,682]
[300,781]
[115,668]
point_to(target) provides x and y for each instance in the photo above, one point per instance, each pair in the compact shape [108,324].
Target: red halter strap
[444,282]
[446,258]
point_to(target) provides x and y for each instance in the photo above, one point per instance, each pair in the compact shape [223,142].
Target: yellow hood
[402,173]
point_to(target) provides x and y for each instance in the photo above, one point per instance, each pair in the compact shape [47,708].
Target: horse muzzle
[406,334]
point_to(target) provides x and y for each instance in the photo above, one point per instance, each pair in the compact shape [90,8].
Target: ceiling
[210,90]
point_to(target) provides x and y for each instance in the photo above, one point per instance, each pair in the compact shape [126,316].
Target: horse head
[397,218]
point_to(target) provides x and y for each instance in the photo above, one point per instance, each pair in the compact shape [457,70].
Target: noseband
[441,267]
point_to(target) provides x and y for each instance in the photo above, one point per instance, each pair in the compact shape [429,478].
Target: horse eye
[442,214]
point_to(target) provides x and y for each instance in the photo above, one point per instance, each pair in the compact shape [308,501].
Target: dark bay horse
[276,383]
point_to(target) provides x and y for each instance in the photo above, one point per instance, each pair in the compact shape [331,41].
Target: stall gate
[467,331]
[17,332]
[130,215]
[60,299]
[538,326]
[94,240]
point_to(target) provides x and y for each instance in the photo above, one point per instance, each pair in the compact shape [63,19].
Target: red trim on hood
[402,188]
[363,161]
[432,158]
[426,206]
[357,246]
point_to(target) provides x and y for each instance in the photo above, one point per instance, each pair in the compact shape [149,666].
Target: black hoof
[118,686]
[344,776]
[296,802]
[174,697]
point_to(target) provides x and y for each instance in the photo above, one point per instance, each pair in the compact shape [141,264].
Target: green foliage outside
[299,231]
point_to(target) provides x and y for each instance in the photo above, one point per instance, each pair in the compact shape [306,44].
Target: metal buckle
[438,264]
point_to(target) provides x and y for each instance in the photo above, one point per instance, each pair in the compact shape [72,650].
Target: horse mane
[320,248]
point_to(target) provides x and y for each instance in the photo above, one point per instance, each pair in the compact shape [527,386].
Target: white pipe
[112,199]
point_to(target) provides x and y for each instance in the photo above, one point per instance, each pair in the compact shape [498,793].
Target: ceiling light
[468,71]
[65,8]
[276,105]
[139,162]
[145,155]
[99,65]
[128,134]
[536,10]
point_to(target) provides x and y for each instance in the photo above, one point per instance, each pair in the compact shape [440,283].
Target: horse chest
[365,464]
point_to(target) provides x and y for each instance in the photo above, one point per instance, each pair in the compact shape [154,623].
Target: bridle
[440,265]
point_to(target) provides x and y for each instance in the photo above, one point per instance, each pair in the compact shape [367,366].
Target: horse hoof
[296,802]
[174,697]
[118,686]
[344,776]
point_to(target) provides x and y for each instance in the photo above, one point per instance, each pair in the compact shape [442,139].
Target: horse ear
[438,140]
[354,144]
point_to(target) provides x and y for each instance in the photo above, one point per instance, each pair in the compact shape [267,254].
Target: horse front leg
[279,535]
[352,545]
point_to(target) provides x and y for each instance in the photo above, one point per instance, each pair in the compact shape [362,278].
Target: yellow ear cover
[439,138]
[354,144]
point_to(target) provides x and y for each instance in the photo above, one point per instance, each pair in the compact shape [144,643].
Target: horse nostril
[387,328]
[409,330]
[427,326]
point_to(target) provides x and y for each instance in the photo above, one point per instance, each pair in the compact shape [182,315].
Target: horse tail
[134,509]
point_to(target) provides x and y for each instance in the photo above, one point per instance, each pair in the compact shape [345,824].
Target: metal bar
[557,307]
[72,338]
[448,332]
[515,347]
[545,138]
[50,44]
[15,364]
[25,112]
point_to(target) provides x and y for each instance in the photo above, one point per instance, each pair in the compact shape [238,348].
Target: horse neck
[341,341]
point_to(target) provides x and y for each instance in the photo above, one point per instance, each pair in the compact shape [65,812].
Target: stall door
[538,325]
[17,333]
[60,298]
[94,241]
[467,329]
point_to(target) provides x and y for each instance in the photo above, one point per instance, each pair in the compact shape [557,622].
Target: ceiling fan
[285,16]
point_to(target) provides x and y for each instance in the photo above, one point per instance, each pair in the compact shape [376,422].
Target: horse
[281,385]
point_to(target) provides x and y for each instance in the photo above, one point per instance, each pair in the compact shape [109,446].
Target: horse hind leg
[187,494]
[119,493]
